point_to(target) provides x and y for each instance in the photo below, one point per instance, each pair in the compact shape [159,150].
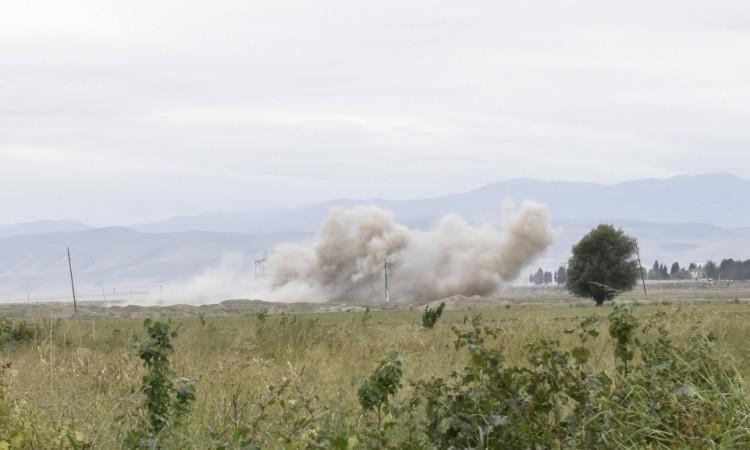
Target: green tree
[602,264]
[674,272]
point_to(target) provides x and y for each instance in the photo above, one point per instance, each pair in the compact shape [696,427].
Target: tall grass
[286,380]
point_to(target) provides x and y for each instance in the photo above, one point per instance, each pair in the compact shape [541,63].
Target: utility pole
[72,283]
[260,266]
[640,268]
[387,293]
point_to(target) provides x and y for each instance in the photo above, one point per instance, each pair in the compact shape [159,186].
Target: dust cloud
[346,260]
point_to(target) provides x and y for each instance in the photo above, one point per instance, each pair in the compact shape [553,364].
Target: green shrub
[262,315]
[685,396]
[431,315]
[383,383]
[17,332]
[167,398]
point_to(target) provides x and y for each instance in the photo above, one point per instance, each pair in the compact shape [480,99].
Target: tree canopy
[603,264]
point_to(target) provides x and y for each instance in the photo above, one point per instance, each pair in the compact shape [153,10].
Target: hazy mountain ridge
[712,199]
[671,219]
[121,257]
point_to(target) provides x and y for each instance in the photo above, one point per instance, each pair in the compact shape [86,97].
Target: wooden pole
[387,293]
[640,268]
[72,283]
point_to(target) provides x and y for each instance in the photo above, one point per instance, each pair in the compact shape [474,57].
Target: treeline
[727,269]
[660,271]
[540,277]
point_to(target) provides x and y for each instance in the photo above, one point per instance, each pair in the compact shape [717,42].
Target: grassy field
[83,374]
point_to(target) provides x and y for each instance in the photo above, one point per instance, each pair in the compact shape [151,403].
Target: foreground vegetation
[521,377]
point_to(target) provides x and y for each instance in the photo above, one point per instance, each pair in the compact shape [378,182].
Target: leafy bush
[262,315]
[17,332]
[489,405]
[671,396]
[677,396]
[660,395]
[431,315]
[167,399]
[383,383]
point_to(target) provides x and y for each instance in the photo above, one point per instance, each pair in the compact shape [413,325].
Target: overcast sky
[114,112]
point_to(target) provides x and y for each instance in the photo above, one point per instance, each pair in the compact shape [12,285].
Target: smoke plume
[346,260]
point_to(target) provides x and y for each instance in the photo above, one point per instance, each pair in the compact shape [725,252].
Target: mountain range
[684,218]
[711,199]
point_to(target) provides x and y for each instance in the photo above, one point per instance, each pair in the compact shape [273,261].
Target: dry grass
[84,372]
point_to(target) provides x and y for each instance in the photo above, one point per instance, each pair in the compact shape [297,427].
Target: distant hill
[716,199]
[215,266]
[685,219]
[123,258]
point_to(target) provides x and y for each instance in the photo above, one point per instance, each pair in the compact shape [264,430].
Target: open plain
[287,376]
